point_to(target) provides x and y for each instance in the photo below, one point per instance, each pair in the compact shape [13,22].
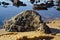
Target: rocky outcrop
[32,1]
[39,7]
[18,3]
[28,20]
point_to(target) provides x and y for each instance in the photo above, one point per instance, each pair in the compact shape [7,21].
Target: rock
[58,8]
[58,1]
[18,3]
[28,20]
[39,7]
[32,1]
[49,4]
[4,3]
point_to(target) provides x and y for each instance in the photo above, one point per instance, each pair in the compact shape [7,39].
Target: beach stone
[26,21]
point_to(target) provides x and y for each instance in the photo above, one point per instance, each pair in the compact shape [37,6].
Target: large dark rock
[58,8]
[39,7]
[26,21]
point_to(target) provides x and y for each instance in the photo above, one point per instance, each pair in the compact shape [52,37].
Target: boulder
[25,21]
[39,7]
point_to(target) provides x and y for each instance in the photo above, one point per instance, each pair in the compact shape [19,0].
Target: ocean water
[6,12]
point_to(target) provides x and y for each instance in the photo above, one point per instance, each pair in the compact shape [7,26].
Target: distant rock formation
[39,7]
[17,3]
[4,3]
[58,5]
[28,20]
[32,1]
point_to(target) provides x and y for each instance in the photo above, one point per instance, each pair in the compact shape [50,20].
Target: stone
[18,3]
[39,7]
[58,8]
[26,21]
[4,3]
[32,1]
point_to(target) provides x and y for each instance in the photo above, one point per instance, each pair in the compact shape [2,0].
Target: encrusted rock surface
[25,21]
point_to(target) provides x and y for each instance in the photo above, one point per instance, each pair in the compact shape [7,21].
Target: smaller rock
[4,3]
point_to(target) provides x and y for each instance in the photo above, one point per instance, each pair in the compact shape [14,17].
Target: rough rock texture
[28,20]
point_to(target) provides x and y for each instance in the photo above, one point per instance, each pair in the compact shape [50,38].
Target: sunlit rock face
[39,7]
[25,21]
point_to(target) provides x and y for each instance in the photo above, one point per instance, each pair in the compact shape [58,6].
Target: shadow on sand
[54,31]
[36,38]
